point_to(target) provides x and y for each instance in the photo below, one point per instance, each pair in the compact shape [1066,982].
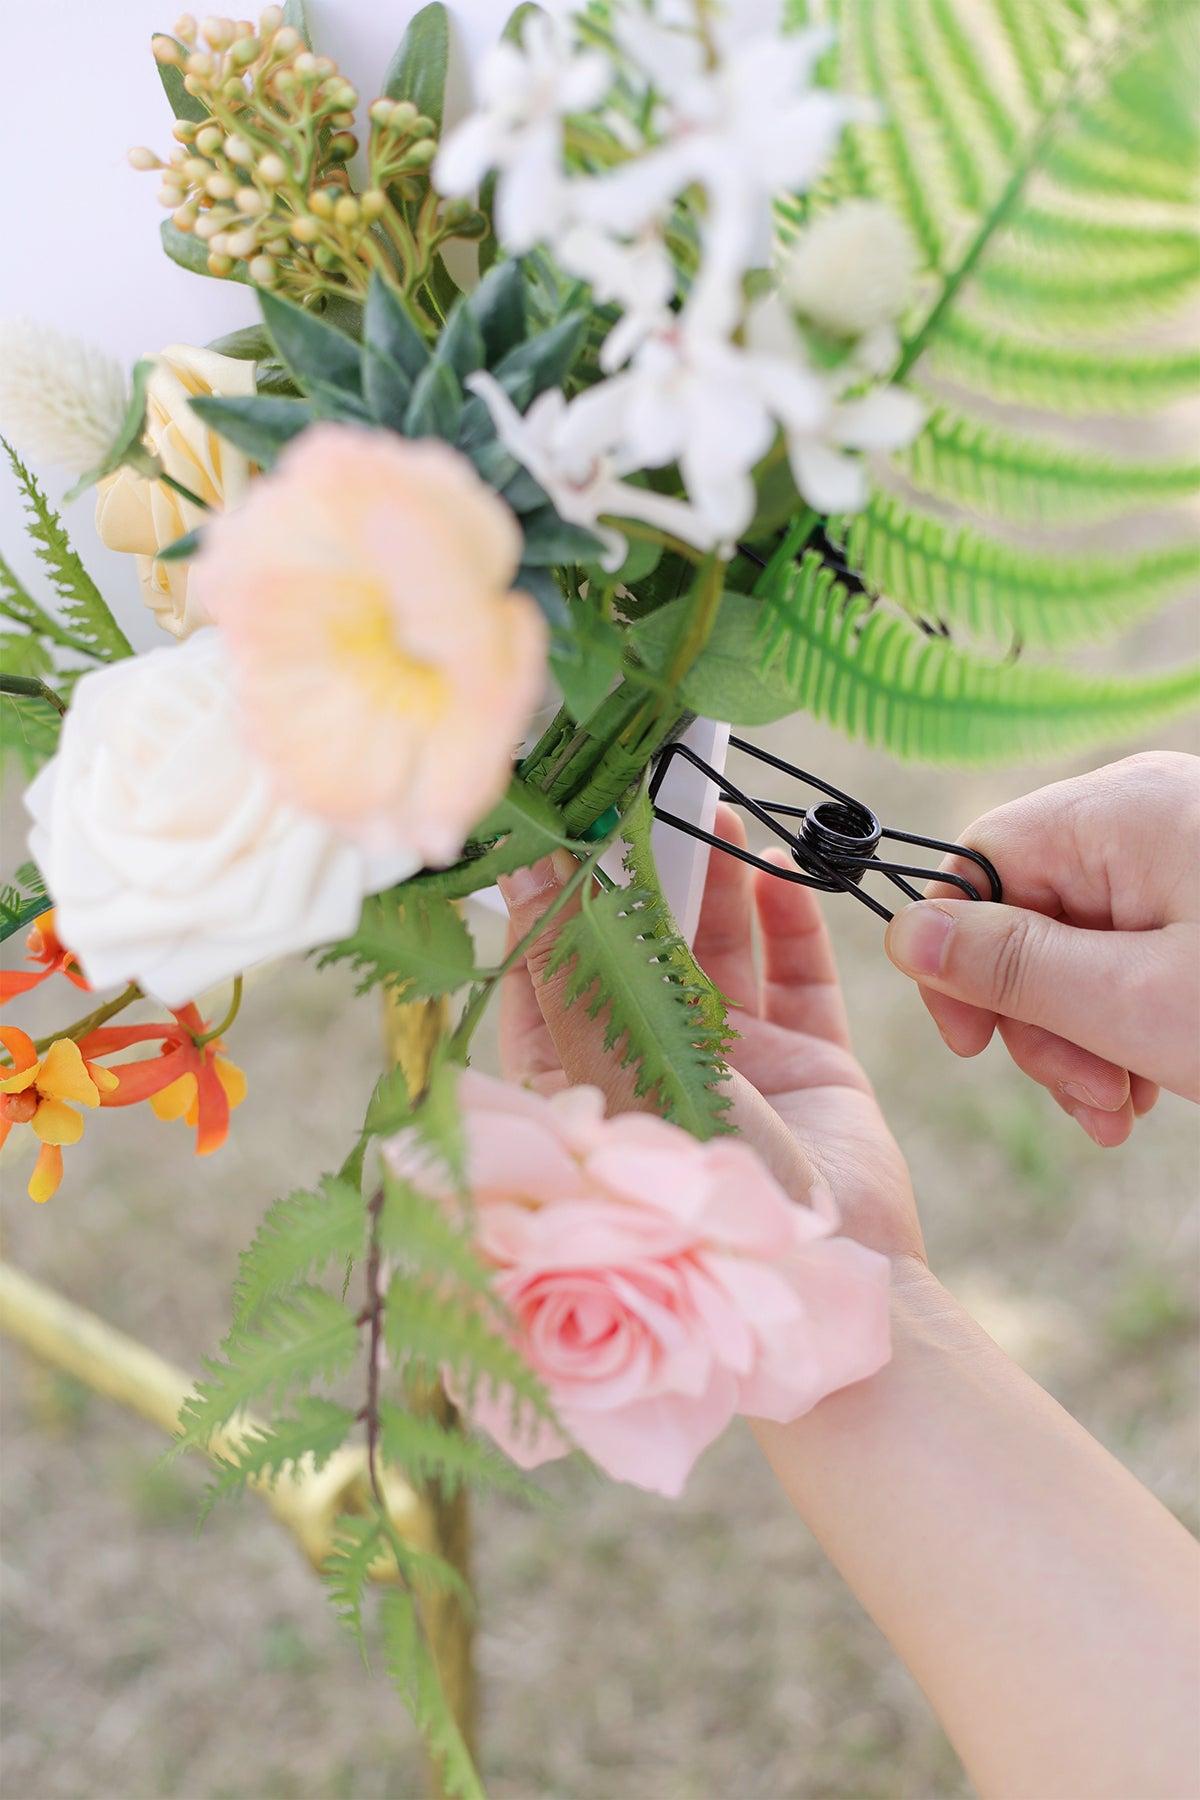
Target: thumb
[1094,988]
[578,1038]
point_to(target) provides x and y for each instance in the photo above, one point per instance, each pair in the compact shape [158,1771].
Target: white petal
[466,154]
[830,482]
[884,420]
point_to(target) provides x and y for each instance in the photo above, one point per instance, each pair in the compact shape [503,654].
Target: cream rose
[170,856]
[140,516]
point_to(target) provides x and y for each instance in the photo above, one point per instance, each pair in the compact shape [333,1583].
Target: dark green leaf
[319,356]
[249,343]
[498,308]
[390,327]
[543,361]
[436,405]
[417,71]
[182,547]
[461,343]
[259,424]
[550,541]
[585,662]
[537,581]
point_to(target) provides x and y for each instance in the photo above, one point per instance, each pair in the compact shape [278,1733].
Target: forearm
[1046,1602]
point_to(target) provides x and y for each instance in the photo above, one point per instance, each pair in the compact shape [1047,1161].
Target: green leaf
[181,548]
[358,1543]
[293,1340]
[186,249]
[1012,476]
[90,624]
[413,1672]
[429,1329]
[543,361]
[877,677]
[326,363]
[417,71]
[295,14]
[461,344]
[29,729]
[303,1442]
[412,941]
[182,104]
[637,827]
[585,663]
[390,327]
[249,343]
[436,405]
[999,592]
[725,681]
[299,1237]
[617,949]
[550,541]
[428,1451]
[22,900]
[498,307]
[521,829]
[258,424]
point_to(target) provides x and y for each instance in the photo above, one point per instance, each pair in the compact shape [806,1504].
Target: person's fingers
[800,982]
[1108,1129]
[724,938]
[526,1046]
[1143,1093]
[1074,1076]
[966,1029]
[1111,992]
[578,1039]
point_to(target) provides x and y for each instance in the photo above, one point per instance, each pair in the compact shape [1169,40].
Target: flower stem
[31,688]
[235,1002]
[789,546]
[91,1020]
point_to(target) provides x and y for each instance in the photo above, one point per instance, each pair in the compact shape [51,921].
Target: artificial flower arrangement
[579,392]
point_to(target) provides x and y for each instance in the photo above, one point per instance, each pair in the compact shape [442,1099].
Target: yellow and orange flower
[186,1080]
[42,1092]
[43,946]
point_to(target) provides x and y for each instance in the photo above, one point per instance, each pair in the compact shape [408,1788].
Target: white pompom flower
[61,400]
[852,270]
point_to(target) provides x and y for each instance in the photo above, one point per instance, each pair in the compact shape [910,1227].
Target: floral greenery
[1044,205]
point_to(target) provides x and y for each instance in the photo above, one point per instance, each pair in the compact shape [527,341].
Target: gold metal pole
[110,1363]
[412,1030]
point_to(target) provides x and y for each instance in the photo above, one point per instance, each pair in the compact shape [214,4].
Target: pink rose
[658,1285]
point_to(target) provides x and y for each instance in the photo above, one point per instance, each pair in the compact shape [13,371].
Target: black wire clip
[837,840]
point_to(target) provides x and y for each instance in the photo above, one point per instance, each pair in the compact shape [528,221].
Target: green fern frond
[636,828]
[875,676]
[1127,242]
[1097,167]
[951,573]
[296,1338]
[409,1663]
[429,1239]
[1010,476]
[1058,378]
[89,622]
[1043,294]
[299,1237]
[357,1543]
[21,900]
[988,107]
[309,1437]
[429,1328]
[878,158]
[427,1451]
[416,944]
[617,950]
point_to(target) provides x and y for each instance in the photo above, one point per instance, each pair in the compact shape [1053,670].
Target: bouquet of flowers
[658,384]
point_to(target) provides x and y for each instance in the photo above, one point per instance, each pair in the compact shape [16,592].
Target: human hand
[797,1092]
[1091,970]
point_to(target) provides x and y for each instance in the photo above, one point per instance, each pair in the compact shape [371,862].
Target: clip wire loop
[835,843]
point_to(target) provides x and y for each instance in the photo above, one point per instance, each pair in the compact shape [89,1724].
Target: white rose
[143,517]
[168,853]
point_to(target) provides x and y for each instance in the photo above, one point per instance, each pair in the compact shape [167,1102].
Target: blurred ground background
[630,1649]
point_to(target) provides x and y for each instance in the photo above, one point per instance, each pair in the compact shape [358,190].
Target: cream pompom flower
[61,400]
[852,270]
[386,672]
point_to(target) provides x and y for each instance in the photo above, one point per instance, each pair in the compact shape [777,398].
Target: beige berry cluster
[262,180]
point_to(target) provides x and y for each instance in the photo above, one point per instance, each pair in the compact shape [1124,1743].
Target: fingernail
[543,877]
[1074,1090]
[1083,1117]
[916,938]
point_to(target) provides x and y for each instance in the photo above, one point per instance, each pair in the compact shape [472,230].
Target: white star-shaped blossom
[526,90]
[570,447]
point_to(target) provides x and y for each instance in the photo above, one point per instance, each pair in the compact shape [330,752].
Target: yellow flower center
[365,646]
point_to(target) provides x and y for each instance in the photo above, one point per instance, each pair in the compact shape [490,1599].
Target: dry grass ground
[630,1650]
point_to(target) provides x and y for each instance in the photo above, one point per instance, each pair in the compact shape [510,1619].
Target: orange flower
[43,946]
[36,1091]
[186,1080]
